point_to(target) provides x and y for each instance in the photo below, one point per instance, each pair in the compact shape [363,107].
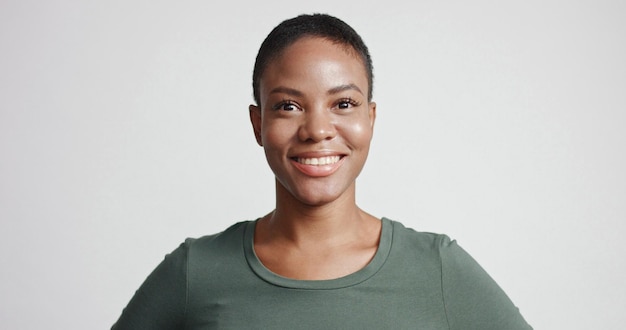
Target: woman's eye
[346,104]
[286,106]
[343,105]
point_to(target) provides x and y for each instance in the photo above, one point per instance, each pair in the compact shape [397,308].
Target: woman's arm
[160,302]
[472,298]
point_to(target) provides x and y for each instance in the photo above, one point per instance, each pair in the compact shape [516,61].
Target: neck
[331,223]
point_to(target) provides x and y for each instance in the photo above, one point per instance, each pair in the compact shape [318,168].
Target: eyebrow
[286,90]
[332,91]
[343,88]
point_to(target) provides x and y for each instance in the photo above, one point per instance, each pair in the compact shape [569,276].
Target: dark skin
[315,123]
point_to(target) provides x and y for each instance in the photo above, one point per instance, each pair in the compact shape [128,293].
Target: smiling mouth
[318,161]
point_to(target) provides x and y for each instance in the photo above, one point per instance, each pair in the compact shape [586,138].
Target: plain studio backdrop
[124,129]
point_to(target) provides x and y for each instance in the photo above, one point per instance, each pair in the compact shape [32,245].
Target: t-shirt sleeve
[472,298]
[160,302]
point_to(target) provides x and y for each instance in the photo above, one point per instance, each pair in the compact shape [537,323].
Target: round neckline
[384,247]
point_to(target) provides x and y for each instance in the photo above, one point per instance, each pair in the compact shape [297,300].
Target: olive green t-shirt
[415,281]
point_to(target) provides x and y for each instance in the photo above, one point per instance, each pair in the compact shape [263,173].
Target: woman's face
[314,119]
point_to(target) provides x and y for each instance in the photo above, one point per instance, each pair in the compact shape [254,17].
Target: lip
[313,169]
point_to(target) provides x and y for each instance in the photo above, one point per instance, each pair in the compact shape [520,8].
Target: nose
[317,125]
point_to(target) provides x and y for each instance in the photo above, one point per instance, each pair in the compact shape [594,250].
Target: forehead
[314,45]
[313,58]
[319,42]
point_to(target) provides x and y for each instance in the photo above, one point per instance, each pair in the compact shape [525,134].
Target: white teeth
[318,161]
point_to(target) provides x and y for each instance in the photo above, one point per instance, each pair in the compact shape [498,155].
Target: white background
[124,129]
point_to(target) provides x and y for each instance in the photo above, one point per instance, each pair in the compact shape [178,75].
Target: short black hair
[315,25]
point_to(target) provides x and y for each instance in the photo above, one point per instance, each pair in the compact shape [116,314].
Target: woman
[317,261]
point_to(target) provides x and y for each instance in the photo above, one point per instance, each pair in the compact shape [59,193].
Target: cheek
[358,132]
[275,134]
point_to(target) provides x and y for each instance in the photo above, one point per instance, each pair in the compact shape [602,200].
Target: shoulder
[212,252]
[453,258]
[420,240]
[425,249]
[208,246]
[472,299]
[230,238]
[438,247]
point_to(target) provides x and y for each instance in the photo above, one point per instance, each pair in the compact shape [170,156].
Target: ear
[372,113]
[255,119]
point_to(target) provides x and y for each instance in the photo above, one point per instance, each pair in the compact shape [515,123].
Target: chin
[316,200]
[318,196]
